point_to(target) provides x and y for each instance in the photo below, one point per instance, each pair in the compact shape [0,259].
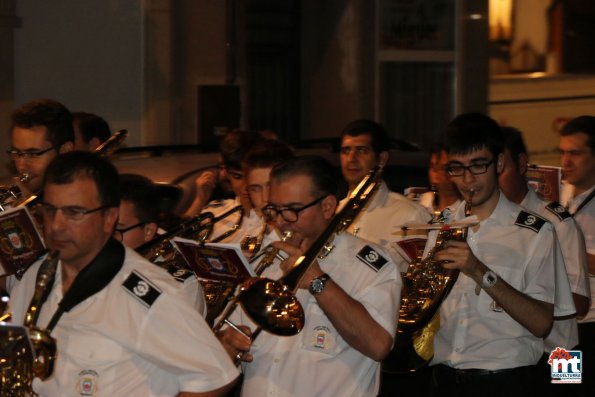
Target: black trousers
[447,381]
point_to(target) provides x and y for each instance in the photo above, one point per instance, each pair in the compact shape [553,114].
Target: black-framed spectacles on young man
[30,154]
[119,232]
[288,214]
[474,169]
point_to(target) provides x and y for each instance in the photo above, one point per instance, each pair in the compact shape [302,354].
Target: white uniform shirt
[317,361]
[251,225]
[474,331]
[564,333]
[585,218]
[116,343]
[381,220]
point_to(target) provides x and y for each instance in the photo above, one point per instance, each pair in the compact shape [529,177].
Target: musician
[257,165]
[502,304]
[444,193]
[138,223]
[40,130]
[577,148]
[364,145]
[233,149]
[126,329]
[90,131]
[350,298]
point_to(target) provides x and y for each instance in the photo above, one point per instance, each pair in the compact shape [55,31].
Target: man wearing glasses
[137,224]
[40,130]
[502,304]
[122,325]
[350,297]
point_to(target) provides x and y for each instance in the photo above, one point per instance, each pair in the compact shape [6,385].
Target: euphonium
[425,286]
[273,304]
[17,376]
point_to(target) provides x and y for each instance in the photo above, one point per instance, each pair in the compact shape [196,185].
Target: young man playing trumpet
[350,299]
[510,284]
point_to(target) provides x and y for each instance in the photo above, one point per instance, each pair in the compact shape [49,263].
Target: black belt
[462,375]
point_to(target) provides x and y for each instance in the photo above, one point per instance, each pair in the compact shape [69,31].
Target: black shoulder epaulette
[215,203]
[558,209]
[530,221]
[141,288]
[180,274]
[372,258]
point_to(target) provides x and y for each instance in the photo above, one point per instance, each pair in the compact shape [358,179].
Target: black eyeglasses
[69,212]
[119,233]
[474,169]
[287,213]
[30,154]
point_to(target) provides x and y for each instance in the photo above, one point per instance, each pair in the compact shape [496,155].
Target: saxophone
[425,286]
[17,372]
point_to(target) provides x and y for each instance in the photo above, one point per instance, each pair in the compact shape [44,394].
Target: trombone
[273,305]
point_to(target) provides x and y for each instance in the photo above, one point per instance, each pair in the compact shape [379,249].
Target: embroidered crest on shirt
[371,257]
[530,221]
[87,382]
[558,210]
[142,289]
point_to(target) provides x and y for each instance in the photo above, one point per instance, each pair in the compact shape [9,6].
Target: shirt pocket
[90,364]
[319,336]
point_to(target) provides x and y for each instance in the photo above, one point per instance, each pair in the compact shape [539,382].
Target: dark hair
[471,132]
[513,141]
[379,136]
[266,154]
[66,167]
[48,113]
[584,124]
[234,146]
[318,169]
[141,192]
[91,126]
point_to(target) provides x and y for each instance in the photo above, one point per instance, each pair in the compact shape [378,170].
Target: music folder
[219,262]
[20,241]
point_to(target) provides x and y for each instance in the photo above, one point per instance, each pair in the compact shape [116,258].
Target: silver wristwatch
[489,279]
[317,284]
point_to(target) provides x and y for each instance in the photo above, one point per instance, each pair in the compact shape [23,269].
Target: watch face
[317,285]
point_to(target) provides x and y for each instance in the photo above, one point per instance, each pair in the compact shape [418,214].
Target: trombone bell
[273,306]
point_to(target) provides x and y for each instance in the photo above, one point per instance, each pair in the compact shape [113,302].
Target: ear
[110,219]
[94,144]
[149,231]
[500,163]
[66,147]
[329,206]
[383,157]
[523,163]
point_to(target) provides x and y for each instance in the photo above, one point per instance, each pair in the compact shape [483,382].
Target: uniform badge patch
[141,288]
[371,257]
[87,383]
[180,274]
[530,221]
[558,210]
